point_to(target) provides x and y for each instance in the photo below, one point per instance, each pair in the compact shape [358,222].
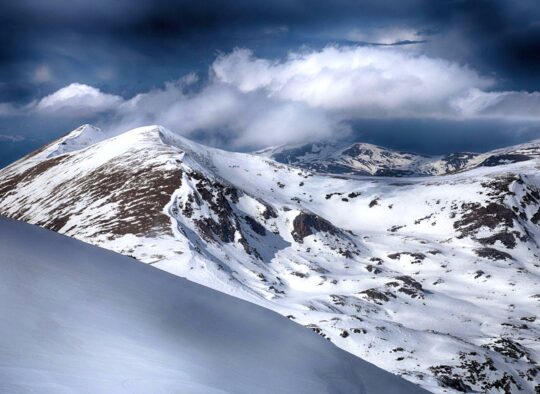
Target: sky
[418,75]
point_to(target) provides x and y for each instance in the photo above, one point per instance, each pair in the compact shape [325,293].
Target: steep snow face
[434,278]
[76,318]
[367,159]
[78,139]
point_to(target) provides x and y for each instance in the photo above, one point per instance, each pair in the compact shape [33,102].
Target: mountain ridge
[417,275]
[360,158]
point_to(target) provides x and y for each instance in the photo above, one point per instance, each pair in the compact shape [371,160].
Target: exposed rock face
[390,270]
[497,160]
[492,216]
[473,369]
[222,225]
[255,226]
[416,258]
[377,296]
[306,224]
[493,254]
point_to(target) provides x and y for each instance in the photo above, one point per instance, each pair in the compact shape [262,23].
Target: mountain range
[369,159]
[428,267]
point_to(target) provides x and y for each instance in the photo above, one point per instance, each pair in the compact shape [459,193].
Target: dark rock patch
[508,348]
[378,296]
[255,226]
[454,383]
[306,224]
[417,257]
[493,254]
[373,269]
[497,160]
[269,212]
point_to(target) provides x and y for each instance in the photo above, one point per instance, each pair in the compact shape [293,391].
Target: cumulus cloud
[309,95]
[78,100]
[247,118]
[355,81]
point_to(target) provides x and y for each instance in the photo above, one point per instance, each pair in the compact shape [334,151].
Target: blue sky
[427,76]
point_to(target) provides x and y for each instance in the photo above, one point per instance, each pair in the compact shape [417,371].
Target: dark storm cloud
[494,36]
[417,135]
[147,40]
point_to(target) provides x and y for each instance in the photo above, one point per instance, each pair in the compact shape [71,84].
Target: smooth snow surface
[77,318]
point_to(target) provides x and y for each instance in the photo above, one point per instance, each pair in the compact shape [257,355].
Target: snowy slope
[76,318]
[434,278]
[368,159]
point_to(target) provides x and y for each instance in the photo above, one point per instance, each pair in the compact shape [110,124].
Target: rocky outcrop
[306,224]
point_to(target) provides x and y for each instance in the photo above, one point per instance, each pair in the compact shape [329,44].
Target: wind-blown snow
[76,318]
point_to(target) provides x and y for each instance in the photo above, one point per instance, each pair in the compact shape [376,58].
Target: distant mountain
[368,159]
[76,318]
[434,278]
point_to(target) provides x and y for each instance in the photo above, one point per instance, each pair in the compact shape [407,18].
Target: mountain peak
[80,138]
[385,268]
[358,158]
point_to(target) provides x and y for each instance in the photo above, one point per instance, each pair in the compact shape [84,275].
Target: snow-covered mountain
[433,278]
[76,318]
[368,159]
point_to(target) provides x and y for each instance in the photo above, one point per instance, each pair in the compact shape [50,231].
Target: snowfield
[76,318]
[433,278]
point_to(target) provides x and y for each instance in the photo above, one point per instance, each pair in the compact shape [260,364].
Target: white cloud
[508,105]
[384,35]
[78,100]
[369,82]
[354,81]
[248,119]
[254,102]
